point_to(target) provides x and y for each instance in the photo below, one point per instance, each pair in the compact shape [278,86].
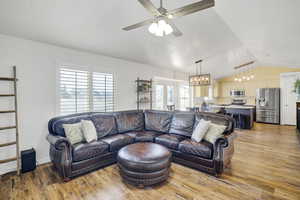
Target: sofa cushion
[89,130]
[182,123]
[169,140]
[105,124]
[83,151]
[117,141]
[158,121]
[202,149]
[143,136]
[200,130]
[130,121]
[216,119]
[214,132]
[74,132]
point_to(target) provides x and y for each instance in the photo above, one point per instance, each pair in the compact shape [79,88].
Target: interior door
[288,97]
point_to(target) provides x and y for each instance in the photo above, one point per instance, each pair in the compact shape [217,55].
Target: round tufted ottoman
[143,164]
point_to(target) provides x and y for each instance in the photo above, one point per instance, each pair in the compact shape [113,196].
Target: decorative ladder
[16,142]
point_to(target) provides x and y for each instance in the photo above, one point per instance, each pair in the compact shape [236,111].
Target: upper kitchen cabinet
[216,89]
[201,91]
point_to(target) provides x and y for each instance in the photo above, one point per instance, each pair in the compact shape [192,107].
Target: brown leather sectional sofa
[170,129]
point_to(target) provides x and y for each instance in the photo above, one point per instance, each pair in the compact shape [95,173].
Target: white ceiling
[231,33]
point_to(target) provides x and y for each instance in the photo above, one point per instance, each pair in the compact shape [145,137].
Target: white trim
[12,167]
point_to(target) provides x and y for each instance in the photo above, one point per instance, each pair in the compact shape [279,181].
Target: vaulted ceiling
[231,33]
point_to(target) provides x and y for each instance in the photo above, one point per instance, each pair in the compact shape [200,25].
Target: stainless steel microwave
[237,93]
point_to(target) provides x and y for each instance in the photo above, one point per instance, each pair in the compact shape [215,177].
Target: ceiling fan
[162,23]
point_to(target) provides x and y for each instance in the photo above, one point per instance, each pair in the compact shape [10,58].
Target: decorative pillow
[200,130]
[214,132]
[88,130]
[73,132]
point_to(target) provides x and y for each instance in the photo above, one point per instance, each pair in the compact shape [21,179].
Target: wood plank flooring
[266,165]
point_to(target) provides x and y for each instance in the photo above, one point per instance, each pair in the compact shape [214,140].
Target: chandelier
[245,75]
[199,79]
[160,28]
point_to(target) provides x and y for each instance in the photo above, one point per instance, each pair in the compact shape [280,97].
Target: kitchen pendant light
[199,79]
[244,75]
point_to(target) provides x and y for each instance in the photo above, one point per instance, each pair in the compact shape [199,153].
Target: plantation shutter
[103,92]
[74,91]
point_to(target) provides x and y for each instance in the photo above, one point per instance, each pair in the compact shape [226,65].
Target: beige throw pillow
[73,132]
[89,130]
[200,130]
[214,132]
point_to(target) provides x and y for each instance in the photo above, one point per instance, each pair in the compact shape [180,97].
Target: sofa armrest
[223,151]
[58,142]
[61,155]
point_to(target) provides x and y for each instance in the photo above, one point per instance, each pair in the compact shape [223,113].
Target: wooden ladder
[15,111]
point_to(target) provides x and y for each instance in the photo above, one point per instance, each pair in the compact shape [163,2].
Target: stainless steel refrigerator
[268,105]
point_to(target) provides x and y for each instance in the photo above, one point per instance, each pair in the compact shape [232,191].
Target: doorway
[288,98]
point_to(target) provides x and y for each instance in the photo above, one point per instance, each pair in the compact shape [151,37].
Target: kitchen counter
[233,106]
[243,114]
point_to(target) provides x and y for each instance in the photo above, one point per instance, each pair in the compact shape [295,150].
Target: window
[103,92]
[74,91]
[170,95]
[159,97]
[83,91]
[184,97]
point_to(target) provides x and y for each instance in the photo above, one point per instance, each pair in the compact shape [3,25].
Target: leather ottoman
[144,164]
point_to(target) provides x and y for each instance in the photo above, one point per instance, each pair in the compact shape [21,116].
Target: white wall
[36,67]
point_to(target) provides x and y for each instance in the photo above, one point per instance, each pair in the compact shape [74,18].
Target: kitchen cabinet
[216,89]
[244,117]
[243,114]
[201,91]
[298,115]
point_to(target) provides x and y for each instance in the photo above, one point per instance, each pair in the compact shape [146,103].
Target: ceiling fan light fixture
[170,16]
[159,32]
[160,28]
[168,29]
[153,28]
[162,24]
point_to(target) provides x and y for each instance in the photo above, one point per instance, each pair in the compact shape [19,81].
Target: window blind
[103,92]
[74,91]
[83,91]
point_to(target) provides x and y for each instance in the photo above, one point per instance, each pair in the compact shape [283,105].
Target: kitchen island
[243,114]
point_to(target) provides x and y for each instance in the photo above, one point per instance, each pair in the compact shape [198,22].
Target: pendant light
[199,79]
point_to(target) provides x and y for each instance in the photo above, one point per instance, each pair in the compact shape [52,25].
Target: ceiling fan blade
[150,7]
[192,8]
[176,31]
[138,25]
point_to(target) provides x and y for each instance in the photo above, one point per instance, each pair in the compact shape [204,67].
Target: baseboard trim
[13,168]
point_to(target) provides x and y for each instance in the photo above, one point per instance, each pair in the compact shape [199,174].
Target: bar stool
[236,118]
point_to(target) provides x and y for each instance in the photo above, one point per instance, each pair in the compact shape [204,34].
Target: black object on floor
[28,158]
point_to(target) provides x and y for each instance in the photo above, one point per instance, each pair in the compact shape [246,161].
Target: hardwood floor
[266,165]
